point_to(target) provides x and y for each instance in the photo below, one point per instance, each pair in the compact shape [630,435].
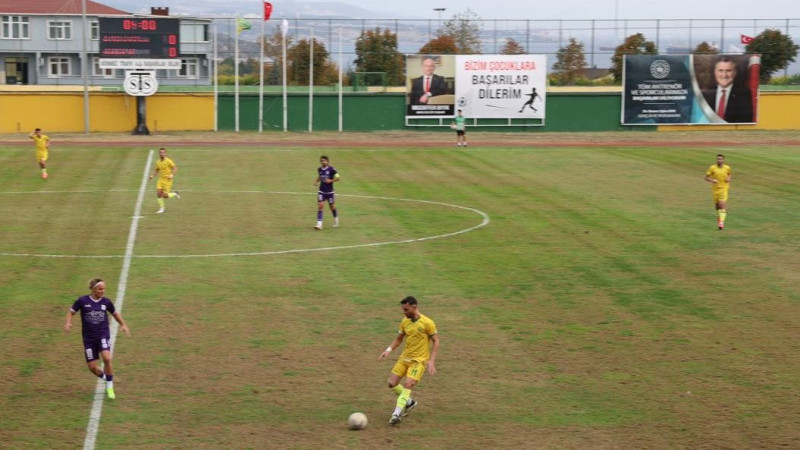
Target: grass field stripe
[99,392]
[483,223]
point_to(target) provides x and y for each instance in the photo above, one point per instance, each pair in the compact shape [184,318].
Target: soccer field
[583,295]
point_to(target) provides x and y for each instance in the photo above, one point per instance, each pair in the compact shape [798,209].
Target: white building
[42,43]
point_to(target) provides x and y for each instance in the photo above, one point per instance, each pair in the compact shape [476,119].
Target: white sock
[109,385]
[397,411]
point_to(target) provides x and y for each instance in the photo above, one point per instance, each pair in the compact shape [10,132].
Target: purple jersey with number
[93,316]
[326,173]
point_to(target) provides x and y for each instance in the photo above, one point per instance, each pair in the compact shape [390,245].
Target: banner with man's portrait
[690,89]
[430,84]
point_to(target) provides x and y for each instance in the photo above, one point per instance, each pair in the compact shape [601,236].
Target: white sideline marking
[99,392]
[483,223]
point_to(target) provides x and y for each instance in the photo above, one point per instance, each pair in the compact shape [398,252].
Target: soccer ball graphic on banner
[357,421]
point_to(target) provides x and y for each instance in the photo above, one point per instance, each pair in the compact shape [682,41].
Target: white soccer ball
[357,421]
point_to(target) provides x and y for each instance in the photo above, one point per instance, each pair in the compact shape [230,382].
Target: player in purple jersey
[95,330]
[326,176]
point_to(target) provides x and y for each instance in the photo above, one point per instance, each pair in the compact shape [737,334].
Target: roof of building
[57,7]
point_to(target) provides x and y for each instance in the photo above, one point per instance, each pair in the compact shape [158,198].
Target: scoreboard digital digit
[139,37]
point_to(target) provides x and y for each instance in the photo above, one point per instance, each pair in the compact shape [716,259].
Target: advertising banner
[430,83]
[482,86]
[690,89]
[501,86]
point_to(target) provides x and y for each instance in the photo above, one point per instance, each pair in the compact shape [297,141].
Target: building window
[15,27]
[59,66]
[59,29]
[188,68]
[94,30]
[194,32]
[98,72]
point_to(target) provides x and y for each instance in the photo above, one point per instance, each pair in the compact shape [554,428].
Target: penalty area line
[99,393]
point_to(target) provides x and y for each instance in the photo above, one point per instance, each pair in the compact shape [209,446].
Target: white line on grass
[483,223]
[99,391]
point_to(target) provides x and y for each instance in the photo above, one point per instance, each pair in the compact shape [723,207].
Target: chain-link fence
[599,37]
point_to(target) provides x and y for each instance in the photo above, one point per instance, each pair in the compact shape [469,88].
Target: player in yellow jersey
[419,353]
[166,170]
[42,149]
[719,175]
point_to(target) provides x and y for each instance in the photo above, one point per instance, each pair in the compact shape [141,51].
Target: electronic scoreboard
[139,37]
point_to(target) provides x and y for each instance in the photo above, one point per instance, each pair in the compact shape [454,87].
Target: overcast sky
[497,9]
[591,9]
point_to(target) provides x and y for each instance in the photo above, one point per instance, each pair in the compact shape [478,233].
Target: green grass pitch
[583,295]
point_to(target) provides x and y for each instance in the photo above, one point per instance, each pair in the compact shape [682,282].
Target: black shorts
[93,347]
[459,132]
[326,197]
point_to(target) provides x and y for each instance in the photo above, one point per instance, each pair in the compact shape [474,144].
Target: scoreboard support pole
[141,84]
[141,117]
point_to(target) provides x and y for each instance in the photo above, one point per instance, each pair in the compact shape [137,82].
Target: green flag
[242,24]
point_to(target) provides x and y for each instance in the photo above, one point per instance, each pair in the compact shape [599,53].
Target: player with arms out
[42,142]
[94,309]
[326,176]
[719,175]
[165,170]
[419,353]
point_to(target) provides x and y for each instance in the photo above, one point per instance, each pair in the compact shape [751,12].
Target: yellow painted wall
[62,112]
[776,111]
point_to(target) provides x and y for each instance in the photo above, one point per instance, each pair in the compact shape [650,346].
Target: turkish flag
[746,39]
[267,10]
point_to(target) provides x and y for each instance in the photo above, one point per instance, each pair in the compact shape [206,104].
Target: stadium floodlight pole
[311,83]
[85,69]
[440,11]
[284,30]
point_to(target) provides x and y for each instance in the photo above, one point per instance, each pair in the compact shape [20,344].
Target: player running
[166,170]
[42,142]
[419,332]
[94,309]
[719,175]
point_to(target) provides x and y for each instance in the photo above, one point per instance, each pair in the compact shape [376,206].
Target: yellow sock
[398,389]
[171,194]
[403,398]
[44,170]
[160,202]
[722,214]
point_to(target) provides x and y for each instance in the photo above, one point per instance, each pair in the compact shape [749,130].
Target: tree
[465,29]
[273,49]
[298,64]
[571,60]
[704,48]
[635,44]
[777,50]
[442,45]
[512,47]
[226,66]
[376,51]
